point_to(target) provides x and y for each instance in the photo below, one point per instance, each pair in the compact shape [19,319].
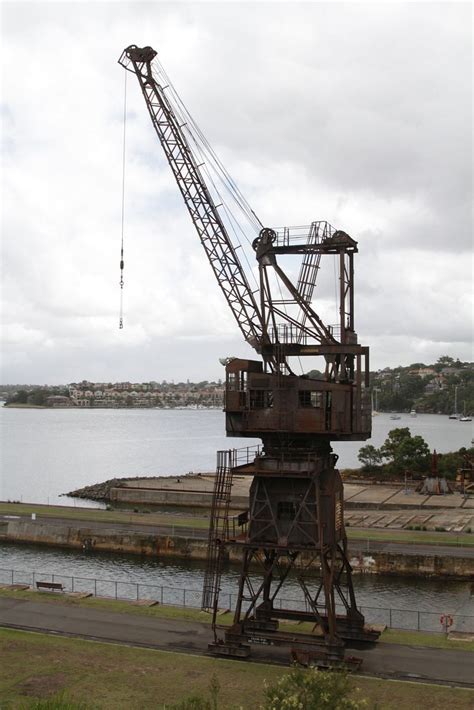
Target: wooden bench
[51,585]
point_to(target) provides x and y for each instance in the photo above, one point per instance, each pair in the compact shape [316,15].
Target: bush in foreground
[312,690]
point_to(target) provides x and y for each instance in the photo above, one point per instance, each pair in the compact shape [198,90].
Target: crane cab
[259,403]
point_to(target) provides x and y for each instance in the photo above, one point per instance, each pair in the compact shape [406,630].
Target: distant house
[57,400]
[423,372]
[435,385]
[452,371]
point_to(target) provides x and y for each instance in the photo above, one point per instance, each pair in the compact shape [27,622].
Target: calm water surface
[372,590]
[45,453]
[49,452]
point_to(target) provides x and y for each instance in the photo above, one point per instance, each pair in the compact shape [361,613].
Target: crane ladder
[218,529]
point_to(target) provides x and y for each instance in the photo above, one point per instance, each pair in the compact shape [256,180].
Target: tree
[449,463]
[404,451]
[311,689]
[38,397]
[370,457]
[20,397]
[445,360]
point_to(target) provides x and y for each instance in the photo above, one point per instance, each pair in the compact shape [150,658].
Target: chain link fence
[440,621]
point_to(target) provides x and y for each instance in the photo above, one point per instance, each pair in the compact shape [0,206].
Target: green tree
[449,463]
[445,360]
[38,397]
[20,397]
[370,457]
[310,690]
[404,451]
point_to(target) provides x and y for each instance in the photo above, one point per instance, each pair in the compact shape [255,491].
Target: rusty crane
[294,525]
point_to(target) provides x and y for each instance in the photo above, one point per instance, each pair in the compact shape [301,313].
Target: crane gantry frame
[294,524]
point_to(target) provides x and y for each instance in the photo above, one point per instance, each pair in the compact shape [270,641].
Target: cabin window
[232,381]
[286,510]
[310,399]
[237,380]
[261,399]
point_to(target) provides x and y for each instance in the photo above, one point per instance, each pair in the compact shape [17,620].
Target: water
[49,452]
[166,581]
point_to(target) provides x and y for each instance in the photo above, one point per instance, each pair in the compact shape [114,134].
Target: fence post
[13,575]
[390,623]
[95,587]
[418,621]
[116,590]
[138,595]
[72,583]
[184,597]
[161,595]
[33,578]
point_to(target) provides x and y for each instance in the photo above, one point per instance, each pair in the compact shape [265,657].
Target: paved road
[385,660]
[355,546]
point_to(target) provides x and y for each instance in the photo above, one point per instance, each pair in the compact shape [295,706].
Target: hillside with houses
[165,395]
[439,389]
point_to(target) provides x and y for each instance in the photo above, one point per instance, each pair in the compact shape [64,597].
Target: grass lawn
[110,676]
[202,523]
[100,515]
[412,536]
[406,638]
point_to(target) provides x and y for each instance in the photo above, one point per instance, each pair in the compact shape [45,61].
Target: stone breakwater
[101,491]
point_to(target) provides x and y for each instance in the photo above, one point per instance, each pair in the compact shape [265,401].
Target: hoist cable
[233,222]
[211,167]
[123,197]
[205,148]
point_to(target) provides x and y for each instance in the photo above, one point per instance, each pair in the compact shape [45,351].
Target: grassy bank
[109,676]
[102,516]
[202,523]
[406,638]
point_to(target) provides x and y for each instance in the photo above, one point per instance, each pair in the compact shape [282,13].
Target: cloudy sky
[359,114]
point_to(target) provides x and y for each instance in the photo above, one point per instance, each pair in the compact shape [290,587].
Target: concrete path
[385,660]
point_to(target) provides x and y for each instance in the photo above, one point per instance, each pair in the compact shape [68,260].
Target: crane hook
[121,289]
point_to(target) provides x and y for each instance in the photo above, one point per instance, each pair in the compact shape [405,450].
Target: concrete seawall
[85,538]
[172,497]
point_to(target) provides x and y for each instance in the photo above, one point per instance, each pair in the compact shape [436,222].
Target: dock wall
[170,496]
[429,564]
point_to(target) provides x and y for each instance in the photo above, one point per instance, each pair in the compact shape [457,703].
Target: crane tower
[294,525]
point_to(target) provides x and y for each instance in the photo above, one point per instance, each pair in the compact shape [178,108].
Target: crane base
[229,650]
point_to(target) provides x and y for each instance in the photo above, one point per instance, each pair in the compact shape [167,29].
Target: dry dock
[373,551]
[366,505]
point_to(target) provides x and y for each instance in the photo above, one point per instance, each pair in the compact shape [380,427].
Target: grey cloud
[359,114]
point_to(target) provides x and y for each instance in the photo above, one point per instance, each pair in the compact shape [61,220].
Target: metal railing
[440,621]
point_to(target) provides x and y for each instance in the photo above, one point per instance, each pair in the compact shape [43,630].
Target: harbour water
[431,596]
[48,452]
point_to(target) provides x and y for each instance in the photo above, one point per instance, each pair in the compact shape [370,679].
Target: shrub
[308,689]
